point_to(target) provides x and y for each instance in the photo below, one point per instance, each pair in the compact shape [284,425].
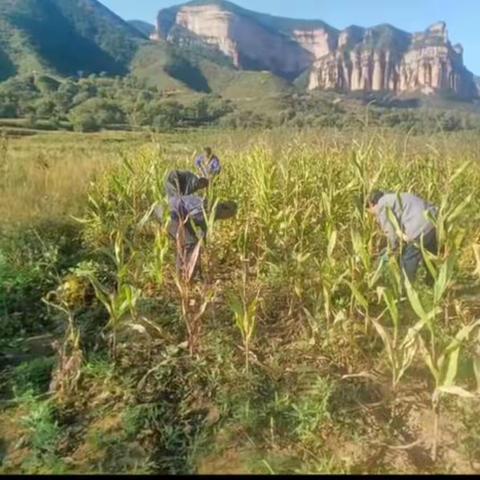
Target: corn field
[293,291]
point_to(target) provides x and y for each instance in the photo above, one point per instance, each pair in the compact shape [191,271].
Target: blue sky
[462,16]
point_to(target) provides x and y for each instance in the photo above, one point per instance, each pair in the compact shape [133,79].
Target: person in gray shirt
[406,226]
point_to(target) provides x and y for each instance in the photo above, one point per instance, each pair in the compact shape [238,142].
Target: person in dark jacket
[181,183]
[413,217]
[188,224]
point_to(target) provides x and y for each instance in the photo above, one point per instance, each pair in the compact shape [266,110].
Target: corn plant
[476,252]
[360,267]
[66,377]
[155,268]
[123,299]
[476,362]
[160,250]
[264,191]
[242,305]
[245,319]
[442,361]
[194,299]
[444,370]
[400,354]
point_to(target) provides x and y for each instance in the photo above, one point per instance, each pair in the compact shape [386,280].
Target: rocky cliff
[382,58]
[252,41]
[386,59]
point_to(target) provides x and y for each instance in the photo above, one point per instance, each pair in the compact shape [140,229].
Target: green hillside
[150,64]
[64,37]
[144,28]
[167,67]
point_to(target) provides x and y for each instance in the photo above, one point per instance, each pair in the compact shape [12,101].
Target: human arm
[199,163]
[215,166]
[386,219]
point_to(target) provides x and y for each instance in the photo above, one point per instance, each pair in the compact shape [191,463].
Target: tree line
[99,102]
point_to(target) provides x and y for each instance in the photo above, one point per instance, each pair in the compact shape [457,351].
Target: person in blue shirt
[208,164]
[188,225]
[414,218]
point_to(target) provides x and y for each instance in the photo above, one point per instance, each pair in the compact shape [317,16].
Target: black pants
[186,248]
[412,256]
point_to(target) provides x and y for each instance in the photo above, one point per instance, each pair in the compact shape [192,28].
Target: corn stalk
[120,301]
[66,377]
[194,299]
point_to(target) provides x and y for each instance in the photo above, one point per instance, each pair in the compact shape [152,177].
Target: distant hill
[183,70]
[64,37]
[143,27]
[68,37]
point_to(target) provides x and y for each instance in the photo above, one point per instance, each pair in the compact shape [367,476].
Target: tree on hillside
[8,107]
[168,115]
[94,114]
[46,107]
[46,84]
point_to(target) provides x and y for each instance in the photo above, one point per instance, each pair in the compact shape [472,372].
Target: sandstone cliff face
[213,26]
[425,63]
[318,42]
[244,41]
[357,59]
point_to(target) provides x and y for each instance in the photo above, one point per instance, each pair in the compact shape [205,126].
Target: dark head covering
[375,197]
[184,183]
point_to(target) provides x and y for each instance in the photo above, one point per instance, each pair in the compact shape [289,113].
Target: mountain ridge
[65,37]
[199,40]
[379,58]
[265,19]
[145,28]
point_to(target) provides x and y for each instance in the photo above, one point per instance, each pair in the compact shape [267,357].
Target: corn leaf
[458,391]
[358,296]
[415,301]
